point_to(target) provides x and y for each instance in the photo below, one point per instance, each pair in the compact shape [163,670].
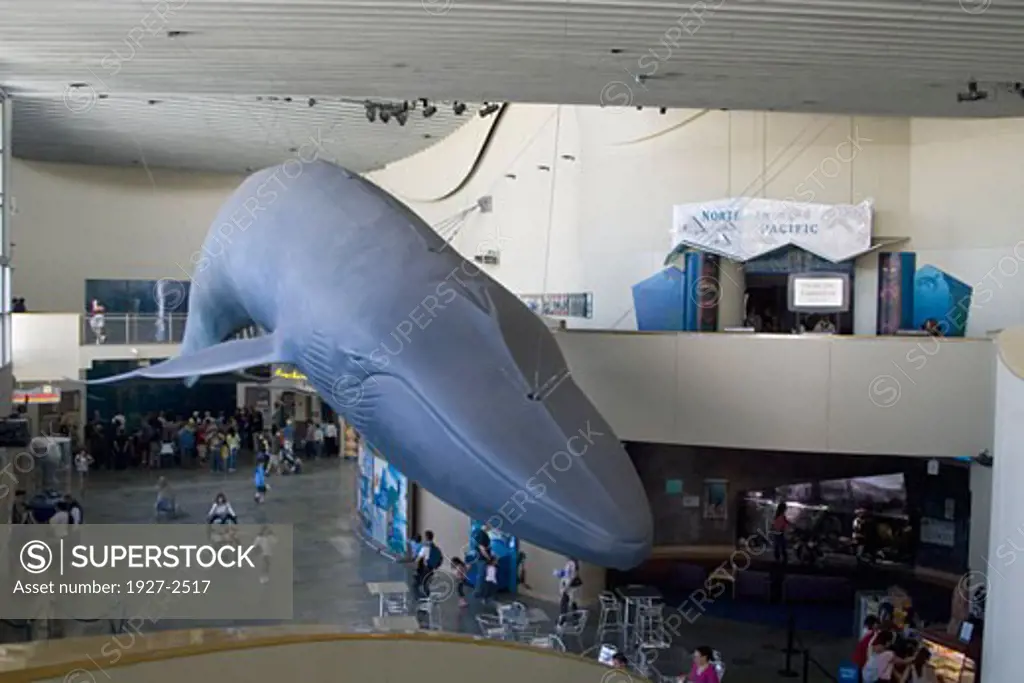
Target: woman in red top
[780,525]
[860,653]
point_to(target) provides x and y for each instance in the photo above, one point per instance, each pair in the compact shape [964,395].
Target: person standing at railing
[98,321]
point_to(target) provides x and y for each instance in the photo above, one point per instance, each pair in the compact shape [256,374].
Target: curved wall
[310,655]
[583,196]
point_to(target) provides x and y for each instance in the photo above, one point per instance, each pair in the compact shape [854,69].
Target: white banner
[741,229]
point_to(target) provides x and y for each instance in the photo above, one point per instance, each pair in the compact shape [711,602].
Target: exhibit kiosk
[383,504]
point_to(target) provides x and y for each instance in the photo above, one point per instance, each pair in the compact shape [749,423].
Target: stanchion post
[788,672]
[807,666]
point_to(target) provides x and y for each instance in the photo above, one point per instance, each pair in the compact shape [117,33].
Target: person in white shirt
[331,438]
[491,580]
[318,440]
[60,520]
[568,585]
[221,511]
[265,542]
[75,514]
[82,463]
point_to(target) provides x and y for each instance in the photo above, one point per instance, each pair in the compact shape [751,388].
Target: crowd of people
[203,440]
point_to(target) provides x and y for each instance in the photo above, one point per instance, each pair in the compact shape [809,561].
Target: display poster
[576,305]
[938,532]
[715,497]
[382,502]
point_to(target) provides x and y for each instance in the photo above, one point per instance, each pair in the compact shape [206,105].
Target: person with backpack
[569,583]
[428,561]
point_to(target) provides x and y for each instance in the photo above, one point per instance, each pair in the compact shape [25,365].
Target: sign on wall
[744,228]
[819,293]
[578,305]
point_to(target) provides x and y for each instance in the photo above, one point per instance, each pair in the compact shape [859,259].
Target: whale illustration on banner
[431,360]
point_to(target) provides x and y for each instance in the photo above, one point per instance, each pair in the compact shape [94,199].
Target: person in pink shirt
[703,669]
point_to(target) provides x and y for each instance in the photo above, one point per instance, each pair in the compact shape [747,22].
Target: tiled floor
[332,567]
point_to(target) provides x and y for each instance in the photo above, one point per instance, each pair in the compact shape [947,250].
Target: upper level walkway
[919,396]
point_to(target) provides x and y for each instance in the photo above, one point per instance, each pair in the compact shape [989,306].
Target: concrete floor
[332,566]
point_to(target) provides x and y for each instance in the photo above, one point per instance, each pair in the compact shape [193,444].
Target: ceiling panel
[885,57]
[229,134]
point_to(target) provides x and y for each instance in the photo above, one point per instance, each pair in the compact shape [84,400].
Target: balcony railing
[120,328]
[131,329]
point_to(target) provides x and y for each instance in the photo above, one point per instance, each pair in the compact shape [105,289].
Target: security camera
[984,458]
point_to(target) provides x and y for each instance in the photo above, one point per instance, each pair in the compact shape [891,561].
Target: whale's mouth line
[582,527]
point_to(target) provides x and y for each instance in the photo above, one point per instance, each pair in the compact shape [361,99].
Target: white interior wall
[1001,572]
[597,219]
[618,172]
[72,223]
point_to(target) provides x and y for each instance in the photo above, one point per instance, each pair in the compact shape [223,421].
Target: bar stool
[610,620]
[431,607]
[650,628]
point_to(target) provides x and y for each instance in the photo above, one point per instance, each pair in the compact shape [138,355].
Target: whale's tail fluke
[228,356]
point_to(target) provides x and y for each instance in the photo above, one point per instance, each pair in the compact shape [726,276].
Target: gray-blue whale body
[444,371]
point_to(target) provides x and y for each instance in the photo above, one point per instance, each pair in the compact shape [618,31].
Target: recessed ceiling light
[293,150]
[616,50]
[427,136]
[178,34]
[78,85]
[154,101]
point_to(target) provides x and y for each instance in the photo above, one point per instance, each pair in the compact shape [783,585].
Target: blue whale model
[444,371]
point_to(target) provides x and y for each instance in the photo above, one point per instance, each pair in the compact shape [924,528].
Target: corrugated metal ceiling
[888,57]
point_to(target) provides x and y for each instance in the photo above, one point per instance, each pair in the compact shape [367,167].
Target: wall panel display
[382,502]
[579,305]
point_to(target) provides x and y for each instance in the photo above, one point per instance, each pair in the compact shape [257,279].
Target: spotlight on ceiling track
[663,111]
[459,108]
[488,109]
[973,94]
[371,112]
[429,110]
[401,117]
[384,116]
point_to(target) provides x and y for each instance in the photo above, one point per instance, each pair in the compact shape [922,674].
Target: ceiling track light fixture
[973,94]
[488,109]
[459,108]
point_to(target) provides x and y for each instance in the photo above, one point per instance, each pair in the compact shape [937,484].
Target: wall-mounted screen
[819,292]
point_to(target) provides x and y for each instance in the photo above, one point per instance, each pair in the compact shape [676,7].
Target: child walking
[259,479]
[461,576]
[83,461]
[490,580]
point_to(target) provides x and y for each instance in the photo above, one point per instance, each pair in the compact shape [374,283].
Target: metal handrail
[130,328]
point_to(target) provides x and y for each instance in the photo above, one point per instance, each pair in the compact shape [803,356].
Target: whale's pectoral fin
[225,357]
